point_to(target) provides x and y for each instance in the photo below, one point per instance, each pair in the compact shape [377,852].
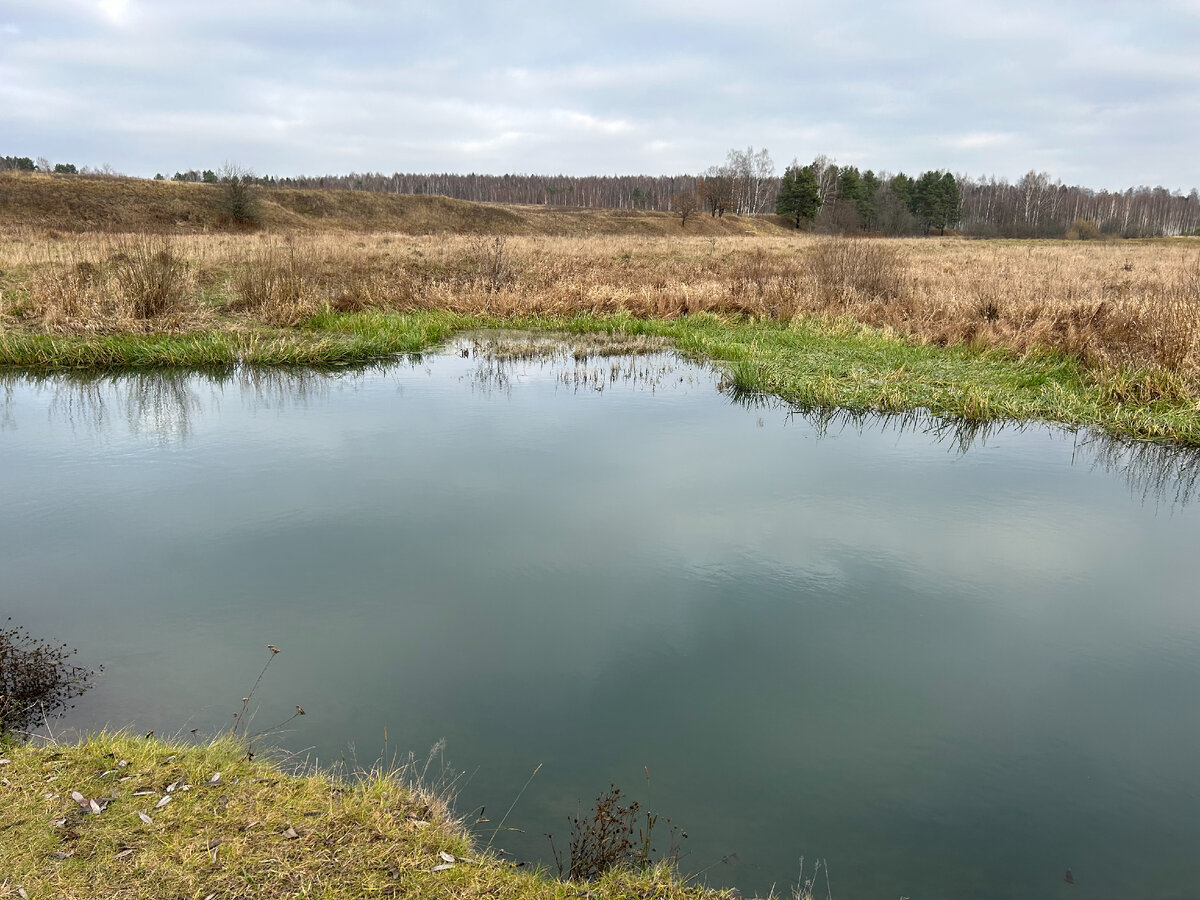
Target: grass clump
[186,820]
[152,280]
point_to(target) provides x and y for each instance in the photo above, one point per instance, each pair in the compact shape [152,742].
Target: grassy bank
[1101,335]
[808,362]
[254,832]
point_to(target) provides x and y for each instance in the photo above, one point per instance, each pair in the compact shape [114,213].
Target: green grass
[813,364]
[256,832]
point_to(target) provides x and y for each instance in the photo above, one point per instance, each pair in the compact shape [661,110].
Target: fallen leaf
[59,823]
[79,798]
[144,793]
[163,802]
[58,854]
[22,894]
[5,762]
[122,763]
[446,857]
[124,853]
[95,807]
[443,867]
[171,787]
[214,779]
[290,834]
[145,818]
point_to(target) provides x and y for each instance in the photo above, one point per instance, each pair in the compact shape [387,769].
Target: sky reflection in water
[951,662]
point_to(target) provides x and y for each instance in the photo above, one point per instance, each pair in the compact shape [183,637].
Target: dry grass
[38,203]
[1130,307]
[254,832]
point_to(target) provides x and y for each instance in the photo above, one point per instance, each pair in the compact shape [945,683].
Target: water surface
[946,673]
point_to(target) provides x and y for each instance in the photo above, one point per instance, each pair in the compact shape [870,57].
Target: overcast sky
[1105,94]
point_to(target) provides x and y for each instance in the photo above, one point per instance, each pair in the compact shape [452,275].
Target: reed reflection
[167,405]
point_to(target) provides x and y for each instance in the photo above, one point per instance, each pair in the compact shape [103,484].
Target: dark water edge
[951,661]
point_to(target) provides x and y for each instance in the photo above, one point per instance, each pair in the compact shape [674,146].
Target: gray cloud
[1105,94]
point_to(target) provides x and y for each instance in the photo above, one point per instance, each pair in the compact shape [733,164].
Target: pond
[948,663]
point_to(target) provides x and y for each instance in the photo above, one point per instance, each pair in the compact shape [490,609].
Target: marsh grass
[151,279]
[274,285]
[1126,316]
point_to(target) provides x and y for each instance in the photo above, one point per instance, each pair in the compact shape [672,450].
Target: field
[1102,333]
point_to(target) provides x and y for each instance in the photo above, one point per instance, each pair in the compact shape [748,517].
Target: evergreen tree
[798,195]
[902,187]
[936,201]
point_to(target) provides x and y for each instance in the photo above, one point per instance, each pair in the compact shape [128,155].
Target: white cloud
[1106,92]
[977,140]
[114,10]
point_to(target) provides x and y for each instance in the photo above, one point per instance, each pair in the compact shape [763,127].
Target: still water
[949,664]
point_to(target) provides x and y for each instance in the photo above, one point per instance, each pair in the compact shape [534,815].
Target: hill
[72,203]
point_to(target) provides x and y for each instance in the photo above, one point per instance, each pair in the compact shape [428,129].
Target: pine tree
[798,194]
[936,201]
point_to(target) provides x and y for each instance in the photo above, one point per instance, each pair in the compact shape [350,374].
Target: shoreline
[810,363]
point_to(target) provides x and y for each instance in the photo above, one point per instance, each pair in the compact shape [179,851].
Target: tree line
[848,200]
[821,196]
[25,164]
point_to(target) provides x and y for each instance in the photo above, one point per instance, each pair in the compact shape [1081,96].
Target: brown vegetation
[1113,305]
[74,204]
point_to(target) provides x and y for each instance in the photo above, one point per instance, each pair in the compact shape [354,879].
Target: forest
[849,200]
[821,196]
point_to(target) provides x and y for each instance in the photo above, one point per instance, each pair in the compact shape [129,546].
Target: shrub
[36,680]
[238,200]
[1085,230]
[491,266]
[612,836]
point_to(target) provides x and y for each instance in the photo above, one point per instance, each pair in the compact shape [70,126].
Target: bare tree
[685,206]
[237,194]
[826,171]
[753,174]
[716,187]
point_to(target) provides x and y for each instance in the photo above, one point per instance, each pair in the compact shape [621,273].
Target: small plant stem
[513,805]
